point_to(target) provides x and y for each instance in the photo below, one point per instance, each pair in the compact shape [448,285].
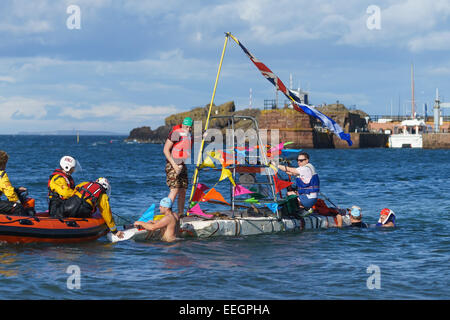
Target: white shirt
[305,174]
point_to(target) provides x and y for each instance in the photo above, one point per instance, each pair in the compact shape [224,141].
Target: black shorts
[11,208]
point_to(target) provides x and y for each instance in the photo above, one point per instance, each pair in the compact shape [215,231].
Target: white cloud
[23,107]
[431,41]
[403,24]
[118,112]
[7,79]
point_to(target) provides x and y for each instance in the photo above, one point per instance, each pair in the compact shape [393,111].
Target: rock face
[147,135]
[349,120]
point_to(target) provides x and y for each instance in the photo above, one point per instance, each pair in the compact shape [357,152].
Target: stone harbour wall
[436,141]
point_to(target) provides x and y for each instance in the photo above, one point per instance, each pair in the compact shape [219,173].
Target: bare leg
[181,201]
[173,194]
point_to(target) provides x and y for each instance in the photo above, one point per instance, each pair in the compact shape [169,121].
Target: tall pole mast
[412,91]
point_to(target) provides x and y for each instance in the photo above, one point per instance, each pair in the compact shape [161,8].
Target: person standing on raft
[177,150]
[12,205]
[167,224]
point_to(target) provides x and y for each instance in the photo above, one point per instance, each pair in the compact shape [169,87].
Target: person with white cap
[168,225]
[61,185]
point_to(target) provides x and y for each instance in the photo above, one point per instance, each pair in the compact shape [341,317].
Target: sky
[122,64]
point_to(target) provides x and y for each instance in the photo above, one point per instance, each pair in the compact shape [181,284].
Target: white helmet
[68,162]
[105,183]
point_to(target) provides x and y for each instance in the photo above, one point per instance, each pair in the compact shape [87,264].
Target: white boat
[409,134]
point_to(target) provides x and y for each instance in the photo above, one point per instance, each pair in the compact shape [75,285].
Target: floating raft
[192,227]
[42,228]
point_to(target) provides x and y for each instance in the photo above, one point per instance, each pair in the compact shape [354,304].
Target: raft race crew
[61,185]
[307,180]
[177,150]
[168,224]
[12,205]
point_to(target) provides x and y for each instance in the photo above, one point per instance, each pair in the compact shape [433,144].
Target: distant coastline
[71,133]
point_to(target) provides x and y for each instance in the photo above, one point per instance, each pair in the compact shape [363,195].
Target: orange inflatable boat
[42,228]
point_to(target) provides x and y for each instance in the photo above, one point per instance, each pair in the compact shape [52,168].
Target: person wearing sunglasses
[307,180]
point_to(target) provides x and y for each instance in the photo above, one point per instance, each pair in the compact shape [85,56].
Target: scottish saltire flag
[298,105]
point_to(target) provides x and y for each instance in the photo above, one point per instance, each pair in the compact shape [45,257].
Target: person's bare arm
[167,147]
[288,170]
[151,226]
[339,221]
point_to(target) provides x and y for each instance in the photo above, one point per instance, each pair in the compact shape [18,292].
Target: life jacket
[182,148]
[61,174]
[91,191]
[312,186]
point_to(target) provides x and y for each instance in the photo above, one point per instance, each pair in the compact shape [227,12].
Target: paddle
[148,214]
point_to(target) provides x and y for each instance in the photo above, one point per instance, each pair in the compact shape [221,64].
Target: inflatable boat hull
[18,229]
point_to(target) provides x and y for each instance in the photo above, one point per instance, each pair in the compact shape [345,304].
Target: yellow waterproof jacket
[60,185]
[6,187]
[103,206]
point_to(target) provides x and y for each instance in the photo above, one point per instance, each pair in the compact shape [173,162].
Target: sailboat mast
[412,91]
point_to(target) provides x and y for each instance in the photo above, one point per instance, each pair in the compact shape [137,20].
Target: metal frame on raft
[235,167]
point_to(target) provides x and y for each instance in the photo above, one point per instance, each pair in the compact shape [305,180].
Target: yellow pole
[194,180]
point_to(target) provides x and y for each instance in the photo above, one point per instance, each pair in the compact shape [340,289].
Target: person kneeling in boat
[387,218]
[87,197]
[12,205]
[307,180]
[167,224]
[61,185]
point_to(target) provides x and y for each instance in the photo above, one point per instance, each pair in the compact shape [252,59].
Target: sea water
[408,262]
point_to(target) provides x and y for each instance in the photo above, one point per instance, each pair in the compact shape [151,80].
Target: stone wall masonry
[436,141]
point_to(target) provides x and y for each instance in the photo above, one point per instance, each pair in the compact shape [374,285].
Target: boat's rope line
[38,219]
